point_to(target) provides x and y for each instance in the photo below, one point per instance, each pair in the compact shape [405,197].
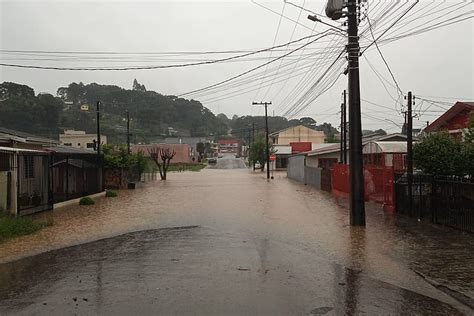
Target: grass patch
[86,201]
[17,226]
[180,167]
[110,194]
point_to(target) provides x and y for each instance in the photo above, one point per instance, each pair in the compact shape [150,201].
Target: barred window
[29,162]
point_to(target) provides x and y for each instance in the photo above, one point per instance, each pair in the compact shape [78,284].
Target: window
[79,144]
[29,162]
[67,144]
[90,145]
[4,161]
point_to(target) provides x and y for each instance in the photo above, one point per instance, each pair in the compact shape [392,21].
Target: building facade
[297,134]
[79,139]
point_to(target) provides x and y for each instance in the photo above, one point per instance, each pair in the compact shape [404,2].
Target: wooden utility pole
[344,116]
[356,171]
[128,132]
[267,154]
[410,152]
[98,129]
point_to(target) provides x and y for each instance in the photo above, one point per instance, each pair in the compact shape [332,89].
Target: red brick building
[183,151]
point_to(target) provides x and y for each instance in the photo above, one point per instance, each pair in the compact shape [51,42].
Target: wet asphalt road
[227,242]
[228,162]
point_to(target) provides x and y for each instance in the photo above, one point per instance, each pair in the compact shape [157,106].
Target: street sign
[273,157]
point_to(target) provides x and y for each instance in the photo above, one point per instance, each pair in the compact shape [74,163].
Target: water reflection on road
[249,244]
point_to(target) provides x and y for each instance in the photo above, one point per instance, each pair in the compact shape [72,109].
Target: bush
[16,226]
[110,194]
[86,201]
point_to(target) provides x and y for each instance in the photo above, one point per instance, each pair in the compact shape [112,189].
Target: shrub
[16,226]
[110,194]
[86,201]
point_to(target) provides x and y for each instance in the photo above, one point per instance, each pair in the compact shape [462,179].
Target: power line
[157,66]
[255,68]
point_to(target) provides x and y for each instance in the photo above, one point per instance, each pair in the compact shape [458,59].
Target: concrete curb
[76,201]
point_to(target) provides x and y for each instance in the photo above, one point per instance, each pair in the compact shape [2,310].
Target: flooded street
[229,242]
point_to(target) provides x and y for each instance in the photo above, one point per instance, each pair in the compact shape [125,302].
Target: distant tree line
[153,114]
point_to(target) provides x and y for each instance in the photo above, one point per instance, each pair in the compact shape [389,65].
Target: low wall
[116,178]
[312,176]
[295,169]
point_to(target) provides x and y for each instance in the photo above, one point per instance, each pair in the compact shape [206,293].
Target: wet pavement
[228,162]
[229,242]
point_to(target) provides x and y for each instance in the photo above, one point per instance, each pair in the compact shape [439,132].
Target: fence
[378,183]
[75,175]
[443,200]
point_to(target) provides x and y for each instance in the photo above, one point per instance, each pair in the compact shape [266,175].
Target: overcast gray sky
[437,63]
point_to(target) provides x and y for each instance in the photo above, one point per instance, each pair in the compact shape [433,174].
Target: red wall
[457,122]
[300,147]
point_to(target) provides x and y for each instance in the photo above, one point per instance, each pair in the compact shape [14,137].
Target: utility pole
[341,138]
[128,132]
[345,127]
[410,153]
[356,172]
[253,141]
[99,158]
[266,104]
[98,129]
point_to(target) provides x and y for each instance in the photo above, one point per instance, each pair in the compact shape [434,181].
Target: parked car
[212,161]
[220,156]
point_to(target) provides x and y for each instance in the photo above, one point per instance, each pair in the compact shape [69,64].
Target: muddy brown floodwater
[228,241]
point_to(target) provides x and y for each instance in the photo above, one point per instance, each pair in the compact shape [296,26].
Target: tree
[308,122]
[11,89]
[162,158]
[137,86]
[469,137]
[258,150]
[439,154]
[200,149]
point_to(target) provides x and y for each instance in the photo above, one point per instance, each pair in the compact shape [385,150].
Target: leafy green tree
[469,137]
[439,154]
[308,122]
[11,89]
[137,86]
[200,148]
[258,150]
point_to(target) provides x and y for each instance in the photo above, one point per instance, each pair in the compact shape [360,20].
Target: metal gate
[326,183]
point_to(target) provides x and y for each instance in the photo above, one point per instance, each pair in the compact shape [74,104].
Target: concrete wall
[81,140]
[296,165]
[312,161]
[312,176]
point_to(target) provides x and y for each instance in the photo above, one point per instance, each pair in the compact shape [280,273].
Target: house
[297,134]
[454,121]
[24,181]
[228,145]
[191,141]
[183,151]
[75,172]
[79,139]
[293,140]
[312,166]
[385,154]
[17,139]
[326,156]
[36,172]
